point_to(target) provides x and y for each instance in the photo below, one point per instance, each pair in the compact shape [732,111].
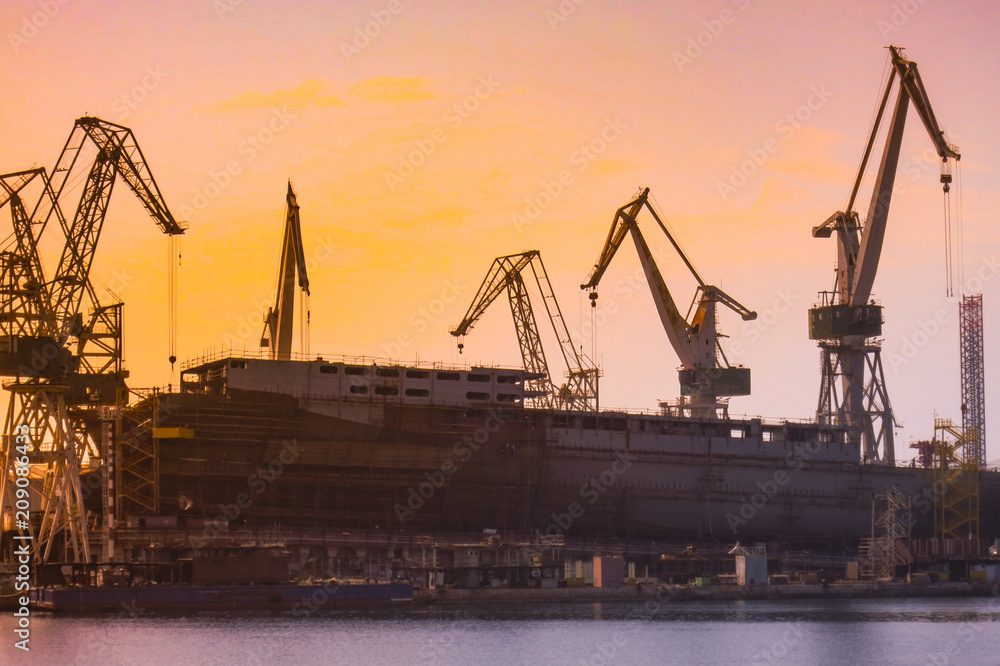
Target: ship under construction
[279,443]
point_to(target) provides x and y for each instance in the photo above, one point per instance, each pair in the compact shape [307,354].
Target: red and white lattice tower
[973,376]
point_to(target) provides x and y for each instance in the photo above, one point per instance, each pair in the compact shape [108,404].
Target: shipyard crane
[847,321]
[580,390]
[24,289]
[67,374]
[706,376]
[277,336]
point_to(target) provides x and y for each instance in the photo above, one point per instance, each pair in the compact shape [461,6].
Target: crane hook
[946,175]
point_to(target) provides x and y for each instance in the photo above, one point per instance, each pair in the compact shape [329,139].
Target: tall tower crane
[63,369]
[278,320]
[706,376]
[847,321]
[580,390]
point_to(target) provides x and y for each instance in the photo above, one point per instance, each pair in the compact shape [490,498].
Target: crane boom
[278,321]
[870,250]
[492,286]
[118,155]
[861,246]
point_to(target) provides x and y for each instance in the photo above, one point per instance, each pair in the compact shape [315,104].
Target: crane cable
[948,251]
[954,233]
[883,81]
[173,250]
[961,230]
[304,316]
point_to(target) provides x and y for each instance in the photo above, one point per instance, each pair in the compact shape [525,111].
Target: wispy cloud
[610,167]
[390,89]
[314,92]
[322,93]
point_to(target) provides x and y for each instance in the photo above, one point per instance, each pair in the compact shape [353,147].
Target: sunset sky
[424,139]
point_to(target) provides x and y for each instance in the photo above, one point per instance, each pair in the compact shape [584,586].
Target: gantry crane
[580,392]
[277,336]
[64,369]
[847,321]
[706,377]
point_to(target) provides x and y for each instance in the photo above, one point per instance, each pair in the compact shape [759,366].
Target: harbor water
[850,632]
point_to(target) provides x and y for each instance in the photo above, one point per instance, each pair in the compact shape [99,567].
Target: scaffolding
[956,481]
[882,553]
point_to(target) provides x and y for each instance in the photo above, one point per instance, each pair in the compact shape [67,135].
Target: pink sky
[200,82]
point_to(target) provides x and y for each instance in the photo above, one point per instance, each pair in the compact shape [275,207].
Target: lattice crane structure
[580,391]
[59,345]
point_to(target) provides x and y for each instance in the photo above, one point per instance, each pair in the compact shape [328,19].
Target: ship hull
[258,459]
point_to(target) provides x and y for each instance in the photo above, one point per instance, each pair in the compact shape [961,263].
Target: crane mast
[847,321]
[68,382]
[706,377]
[278,320]
[580,392]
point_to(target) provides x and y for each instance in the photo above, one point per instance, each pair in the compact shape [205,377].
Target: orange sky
[417,152]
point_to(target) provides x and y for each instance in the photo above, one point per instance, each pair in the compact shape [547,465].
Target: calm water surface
[857,632]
